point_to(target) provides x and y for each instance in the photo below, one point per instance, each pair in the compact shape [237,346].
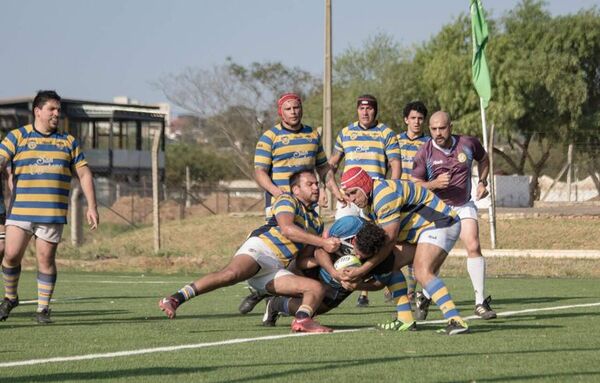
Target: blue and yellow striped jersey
[305,218]
[413,206]
[370,149]
[408,150]
[282,152]
[42,167]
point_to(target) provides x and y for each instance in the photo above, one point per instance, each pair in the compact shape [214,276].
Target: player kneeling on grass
[263,258]
[360,241]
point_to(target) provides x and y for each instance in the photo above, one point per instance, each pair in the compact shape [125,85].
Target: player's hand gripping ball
[346,261]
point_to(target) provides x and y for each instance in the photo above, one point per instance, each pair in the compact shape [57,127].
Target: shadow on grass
[323,365]
[567,376]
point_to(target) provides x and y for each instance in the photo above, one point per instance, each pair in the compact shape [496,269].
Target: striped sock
[10,276]
[45,285]
[281,305]
[186,293]
[397,287]
[304,311]
[441,297]
[411,282]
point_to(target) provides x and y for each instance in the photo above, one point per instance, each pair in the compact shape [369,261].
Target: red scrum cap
[287,97]
[357,178]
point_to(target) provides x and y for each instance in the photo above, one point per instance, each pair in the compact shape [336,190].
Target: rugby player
[263,258]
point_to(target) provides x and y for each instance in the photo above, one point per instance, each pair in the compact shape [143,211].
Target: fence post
[155,191]
[76,217]
[188,186]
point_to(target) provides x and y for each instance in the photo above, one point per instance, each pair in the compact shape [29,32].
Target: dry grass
[204,244]
[581,233]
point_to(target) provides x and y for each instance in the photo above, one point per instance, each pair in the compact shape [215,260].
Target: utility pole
[327,134]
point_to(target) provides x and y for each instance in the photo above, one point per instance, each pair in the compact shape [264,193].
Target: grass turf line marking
[511,313]
[158,349]
[116,354]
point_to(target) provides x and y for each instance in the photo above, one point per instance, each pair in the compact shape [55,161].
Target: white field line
[511,313]
[243,340]
[159,349]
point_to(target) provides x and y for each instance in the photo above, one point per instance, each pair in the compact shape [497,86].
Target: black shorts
[386,266]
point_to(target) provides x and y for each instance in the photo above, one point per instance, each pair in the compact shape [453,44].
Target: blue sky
[99,49]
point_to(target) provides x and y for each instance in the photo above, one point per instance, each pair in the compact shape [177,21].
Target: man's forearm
[264,181]
[295,234]
[87,186]
[396,167]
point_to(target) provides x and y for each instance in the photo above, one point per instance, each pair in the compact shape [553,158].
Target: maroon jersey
[430,162]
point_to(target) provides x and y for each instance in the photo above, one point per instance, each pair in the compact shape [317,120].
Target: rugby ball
[346,261]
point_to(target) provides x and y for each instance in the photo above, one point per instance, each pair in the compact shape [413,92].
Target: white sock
[476,269]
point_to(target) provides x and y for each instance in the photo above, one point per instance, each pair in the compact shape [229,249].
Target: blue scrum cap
[346,227]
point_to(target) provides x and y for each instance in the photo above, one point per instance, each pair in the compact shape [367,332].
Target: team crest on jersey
[31,144]
[353,135]
[285,140]
[462,157]
[60,144]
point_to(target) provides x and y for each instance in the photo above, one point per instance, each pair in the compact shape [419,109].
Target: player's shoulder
[285,199]
[386,130]
[468,140]
[352,126]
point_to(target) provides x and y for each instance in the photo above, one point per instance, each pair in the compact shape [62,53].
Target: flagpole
[491,208]
[483,123]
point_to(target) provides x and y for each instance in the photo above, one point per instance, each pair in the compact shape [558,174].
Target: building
[115,137]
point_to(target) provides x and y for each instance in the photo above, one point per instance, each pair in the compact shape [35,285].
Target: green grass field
[108,313]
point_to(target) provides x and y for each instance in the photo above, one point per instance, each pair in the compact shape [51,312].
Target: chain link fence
[132,204]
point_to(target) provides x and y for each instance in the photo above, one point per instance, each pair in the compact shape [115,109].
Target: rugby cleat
[308,325]
[362,301]
[455,328]
[421,306]
[397,325]
[169,306]
[42,317]
[250,302]
[6,307]
[270,317]
[484,310]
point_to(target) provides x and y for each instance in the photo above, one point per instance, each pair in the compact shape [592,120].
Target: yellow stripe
[42,198]
[397,286]
[440,293]
[43,212]
[403,299]
[44,184]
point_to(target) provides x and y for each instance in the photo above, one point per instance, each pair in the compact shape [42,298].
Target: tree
[237,101]
[578,36]
[205,165]
[539,88]
[381,68]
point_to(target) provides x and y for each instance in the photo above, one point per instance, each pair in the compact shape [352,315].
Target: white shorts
[466,211]
[270,266]
[349,209]
[444,237]
[49,232]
